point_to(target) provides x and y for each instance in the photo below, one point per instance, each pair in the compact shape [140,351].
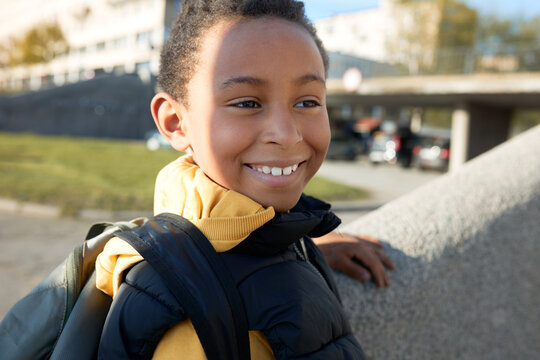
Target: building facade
[360,34]
[388,34]
[103,36]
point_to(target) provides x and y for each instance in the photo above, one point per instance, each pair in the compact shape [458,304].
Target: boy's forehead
[228,39]
[233,33]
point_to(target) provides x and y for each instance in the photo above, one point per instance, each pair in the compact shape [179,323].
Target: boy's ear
[168,115]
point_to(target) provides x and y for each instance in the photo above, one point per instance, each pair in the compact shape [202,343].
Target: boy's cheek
[323,138]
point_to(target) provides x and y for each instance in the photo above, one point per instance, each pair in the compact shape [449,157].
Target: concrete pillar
[476,129]
[459,138]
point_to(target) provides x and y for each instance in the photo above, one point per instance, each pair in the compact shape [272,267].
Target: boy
[244,90]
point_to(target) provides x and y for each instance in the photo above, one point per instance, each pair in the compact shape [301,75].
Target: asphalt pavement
[34,239]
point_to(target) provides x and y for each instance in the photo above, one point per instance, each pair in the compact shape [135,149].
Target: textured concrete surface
[467,248]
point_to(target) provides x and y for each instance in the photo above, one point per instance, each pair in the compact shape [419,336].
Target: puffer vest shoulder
[288,295]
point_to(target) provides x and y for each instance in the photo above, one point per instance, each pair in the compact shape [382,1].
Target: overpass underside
[482,104]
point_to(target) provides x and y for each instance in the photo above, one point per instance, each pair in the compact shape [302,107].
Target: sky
[319,9]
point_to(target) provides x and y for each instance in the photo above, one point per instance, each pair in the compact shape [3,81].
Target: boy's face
[257,120]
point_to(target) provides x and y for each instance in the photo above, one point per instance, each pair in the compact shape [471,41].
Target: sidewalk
[14,207]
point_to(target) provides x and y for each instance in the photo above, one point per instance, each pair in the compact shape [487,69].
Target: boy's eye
[307,103]
[250,104]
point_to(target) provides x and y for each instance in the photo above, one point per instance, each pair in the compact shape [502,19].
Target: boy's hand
[360,256]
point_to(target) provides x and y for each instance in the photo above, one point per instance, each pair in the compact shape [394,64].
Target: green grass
[76,173]
[328,190]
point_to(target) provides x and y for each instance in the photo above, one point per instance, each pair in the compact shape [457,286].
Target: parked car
[384,148]
[432,153]
[154,140]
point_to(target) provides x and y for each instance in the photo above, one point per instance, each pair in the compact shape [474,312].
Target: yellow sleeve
[116,257]
[181,341]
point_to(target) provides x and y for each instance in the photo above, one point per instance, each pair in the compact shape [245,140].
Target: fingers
[361,257]
[374,260]
[349,268]
[386,260]
[371,259]
[371,241]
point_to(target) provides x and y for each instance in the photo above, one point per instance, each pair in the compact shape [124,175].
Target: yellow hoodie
[225,217]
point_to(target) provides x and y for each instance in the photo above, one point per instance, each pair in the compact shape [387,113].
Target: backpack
[63,316]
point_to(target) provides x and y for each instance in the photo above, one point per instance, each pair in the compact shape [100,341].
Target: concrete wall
[467,247]
[108,106]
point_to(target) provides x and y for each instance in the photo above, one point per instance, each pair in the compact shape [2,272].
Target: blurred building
[103,36]
[125,36]
[387,34]
[360,34]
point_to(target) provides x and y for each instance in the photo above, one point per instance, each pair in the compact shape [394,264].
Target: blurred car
[344,149]
[384,148]
[344,144]
[154,140]
[432,153]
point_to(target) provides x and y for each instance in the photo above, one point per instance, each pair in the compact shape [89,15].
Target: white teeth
[276,171]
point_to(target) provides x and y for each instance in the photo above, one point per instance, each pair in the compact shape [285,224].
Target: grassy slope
[77,173]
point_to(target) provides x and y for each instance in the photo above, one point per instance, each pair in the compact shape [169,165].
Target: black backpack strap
[200,281]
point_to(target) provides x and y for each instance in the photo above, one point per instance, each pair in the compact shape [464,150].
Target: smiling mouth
[274,170]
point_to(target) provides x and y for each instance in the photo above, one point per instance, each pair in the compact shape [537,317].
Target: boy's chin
[283,205]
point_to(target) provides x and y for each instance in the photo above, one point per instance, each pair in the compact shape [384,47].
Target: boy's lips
[275,170]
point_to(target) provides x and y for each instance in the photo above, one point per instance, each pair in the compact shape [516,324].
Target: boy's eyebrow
[242,80]
[309,78]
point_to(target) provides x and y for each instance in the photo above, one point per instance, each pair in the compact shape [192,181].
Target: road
[384,181]
[32,246]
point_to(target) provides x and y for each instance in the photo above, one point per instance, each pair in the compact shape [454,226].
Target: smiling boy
[244,90]
[256,127]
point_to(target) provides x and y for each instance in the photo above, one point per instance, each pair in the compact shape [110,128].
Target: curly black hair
[179,54]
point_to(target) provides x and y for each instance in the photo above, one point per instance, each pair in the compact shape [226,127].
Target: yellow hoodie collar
[224,216]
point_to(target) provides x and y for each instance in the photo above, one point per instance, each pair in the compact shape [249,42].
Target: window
[143,38]
[120,42]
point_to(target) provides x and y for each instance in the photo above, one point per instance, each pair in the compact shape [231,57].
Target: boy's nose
[282,129]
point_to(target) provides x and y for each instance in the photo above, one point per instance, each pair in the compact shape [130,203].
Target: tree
[40,44]
[456,38]
[528,38]
[514,40]
[437,35]
[414,40]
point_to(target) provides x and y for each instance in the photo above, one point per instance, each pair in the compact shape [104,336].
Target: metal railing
[446,61]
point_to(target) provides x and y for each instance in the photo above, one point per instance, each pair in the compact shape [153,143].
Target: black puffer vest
[284,282]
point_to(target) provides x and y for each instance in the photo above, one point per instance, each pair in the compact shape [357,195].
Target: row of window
[143,69]
[140,39]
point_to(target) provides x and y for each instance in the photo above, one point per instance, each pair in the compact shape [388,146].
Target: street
[31,246]
[386,182]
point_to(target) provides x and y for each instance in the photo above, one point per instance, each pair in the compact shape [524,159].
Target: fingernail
[365,276]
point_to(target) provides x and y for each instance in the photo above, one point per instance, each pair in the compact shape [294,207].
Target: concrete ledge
[30,209]
[467,247]
[14,207]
